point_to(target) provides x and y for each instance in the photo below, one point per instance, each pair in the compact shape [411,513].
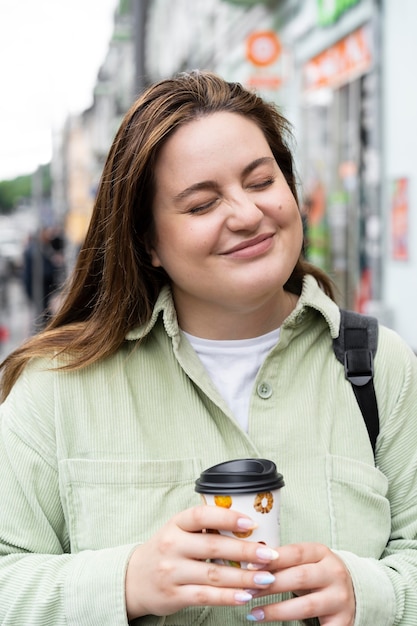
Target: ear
[155,260]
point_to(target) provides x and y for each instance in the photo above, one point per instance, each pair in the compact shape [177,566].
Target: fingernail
[267,554]
[243,596]
[245,523]
[254,566]
[263,579]
[257,615]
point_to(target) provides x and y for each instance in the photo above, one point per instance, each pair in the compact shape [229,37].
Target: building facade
[340,72]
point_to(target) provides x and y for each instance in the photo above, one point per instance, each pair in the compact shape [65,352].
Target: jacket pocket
[112,502]
[359,508]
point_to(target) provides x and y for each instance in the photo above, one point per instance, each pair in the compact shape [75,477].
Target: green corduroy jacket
[93,462]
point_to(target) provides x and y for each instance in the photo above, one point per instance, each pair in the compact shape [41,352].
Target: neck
[218,322]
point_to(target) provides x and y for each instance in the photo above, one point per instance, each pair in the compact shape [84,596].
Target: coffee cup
[250,486]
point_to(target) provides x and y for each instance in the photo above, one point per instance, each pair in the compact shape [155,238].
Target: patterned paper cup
[250,486]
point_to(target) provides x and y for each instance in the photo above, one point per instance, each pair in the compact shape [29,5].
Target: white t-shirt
[233,366]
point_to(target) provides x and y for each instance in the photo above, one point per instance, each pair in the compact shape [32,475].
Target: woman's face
[227,228]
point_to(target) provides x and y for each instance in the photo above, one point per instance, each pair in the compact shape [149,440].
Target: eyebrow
[212,184]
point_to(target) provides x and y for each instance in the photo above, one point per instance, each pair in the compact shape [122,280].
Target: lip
[251,247]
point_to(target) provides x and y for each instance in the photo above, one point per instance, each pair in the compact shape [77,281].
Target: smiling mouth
[251,247]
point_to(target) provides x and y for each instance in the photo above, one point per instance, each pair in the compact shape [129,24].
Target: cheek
[289,220]
[298,230]
[298,221]
[175,245]
[288,215]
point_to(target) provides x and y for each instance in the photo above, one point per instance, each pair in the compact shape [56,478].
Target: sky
[50,54]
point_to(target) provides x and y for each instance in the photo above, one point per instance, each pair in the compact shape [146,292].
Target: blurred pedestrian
[43,272]
[4,280]
[4,299]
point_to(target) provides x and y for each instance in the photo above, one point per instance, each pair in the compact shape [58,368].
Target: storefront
[341,71]
[341,180]
[349,94]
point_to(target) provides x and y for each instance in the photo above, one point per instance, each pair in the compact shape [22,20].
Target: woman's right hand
[171,571]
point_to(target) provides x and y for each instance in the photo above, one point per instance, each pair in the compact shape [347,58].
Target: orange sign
[264,82]
[347,59]
[399,220]
[263,47]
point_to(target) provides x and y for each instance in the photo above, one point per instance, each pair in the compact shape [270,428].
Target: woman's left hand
[320,581]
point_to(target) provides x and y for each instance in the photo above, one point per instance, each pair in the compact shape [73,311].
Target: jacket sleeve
[386,589]
[41,582]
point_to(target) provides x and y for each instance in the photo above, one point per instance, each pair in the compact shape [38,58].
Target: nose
[244,214]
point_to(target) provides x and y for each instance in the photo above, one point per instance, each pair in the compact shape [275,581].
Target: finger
[333,605]
[216,575]
[199,518]
[303,579]
[297,609]
[300,553]
[301,609]
[225,548]
[329,572]
[201,595]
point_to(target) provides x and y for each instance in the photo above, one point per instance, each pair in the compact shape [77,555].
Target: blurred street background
[16,319]
[341,71]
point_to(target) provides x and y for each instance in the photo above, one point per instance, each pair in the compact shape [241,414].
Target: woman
[194,332]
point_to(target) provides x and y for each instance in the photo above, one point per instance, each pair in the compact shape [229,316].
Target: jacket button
[264,390]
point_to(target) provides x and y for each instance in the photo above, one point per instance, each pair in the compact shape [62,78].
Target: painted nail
[243,596]
[263,579]
[257,615]
[266,554]
[246,524]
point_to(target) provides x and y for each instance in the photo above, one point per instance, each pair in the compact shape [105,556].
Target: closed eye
[267,182]
[204,207]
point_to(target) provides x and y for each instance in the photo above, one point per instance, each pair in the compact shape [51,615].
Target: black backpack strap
[355,348]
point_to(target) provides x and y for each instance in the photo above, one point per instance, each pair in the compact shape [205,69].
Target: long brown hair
[114,286]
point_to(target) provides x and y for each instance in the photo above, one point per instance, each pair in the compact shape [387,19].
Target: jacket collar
[312,297]
[165,305]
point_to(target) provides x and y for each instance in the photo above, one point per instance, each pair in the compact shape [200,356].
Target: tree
[14,191]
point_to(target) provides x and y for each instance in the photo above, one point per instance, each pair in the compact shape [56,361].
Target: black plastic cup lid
[240,476]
